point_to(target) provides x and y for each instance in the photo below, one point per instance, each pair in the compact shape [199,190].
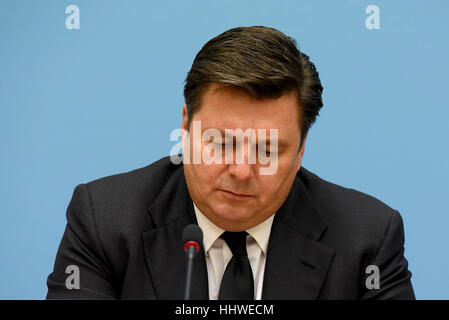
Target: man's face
[235,196]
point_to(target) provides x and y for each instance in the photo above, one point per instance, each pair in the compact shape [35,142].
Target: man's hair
[263,62]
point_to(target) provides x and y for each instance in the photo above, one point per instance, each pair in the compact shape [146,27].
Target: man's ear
[184,117]
[185,140]
[301,151]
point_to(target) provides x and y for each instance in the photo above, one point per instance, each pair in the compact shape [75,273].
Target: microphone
[192,237]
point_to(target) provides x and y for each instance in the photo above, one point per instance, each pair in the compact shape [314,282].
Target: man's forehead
[236,103]
[227,127]
[223,123]
[231,93]
[240,131]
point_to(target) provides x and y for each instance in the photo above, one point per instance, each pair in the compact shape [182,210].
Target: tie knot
[236,241]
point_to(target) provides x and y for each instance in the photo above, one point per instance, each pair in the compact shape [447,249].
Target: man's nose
[242,170]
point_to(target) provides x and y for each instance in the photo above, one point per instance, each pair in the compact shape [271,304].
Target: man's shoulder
[159,167]
[340,205]
[139,187]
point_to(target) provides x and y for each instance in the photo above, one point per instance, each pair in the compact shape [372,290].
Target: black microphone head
[192,232]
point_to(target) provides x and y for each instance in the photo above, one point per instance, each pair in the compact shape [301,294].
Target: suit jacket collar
[296,262]
[171,212]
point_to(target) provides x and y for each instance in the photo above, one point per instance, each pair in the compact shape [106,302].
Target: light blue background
[78,105]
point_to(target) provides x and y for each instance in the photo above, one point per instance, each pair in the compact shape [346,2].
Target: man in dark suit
[272,229]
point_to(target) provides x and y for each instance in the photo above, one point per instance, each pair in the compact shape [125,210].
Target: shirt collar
[211,232]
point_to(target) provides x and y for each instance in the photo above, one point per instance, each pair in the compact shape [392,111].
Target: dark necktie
[237,282]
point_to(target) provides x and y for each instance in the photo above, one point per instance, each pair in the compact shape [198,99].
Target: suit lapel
[296,263]
[164,252]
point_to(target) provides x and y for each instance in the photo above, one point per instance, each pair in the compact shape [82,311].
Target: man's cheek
[268,186]
[209,172]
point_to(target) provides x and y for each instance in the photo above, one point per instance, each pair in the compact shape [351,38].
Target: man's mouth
[237,195]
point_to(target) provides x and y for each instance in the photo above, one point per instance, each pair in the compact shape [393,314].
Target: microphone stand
[191,253]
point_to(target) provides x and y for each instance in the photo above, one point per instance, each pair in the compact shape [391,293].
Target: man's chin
[232,219]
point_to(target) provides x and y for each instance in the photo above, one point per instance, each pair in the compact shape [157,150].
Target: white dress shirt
[218,253]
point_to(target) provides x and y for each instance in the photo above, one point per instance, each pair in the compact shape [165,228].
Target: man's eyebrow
[281,143]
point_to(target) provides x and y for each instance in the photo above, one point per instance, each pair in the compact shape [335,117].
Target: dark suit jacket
[124,234]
